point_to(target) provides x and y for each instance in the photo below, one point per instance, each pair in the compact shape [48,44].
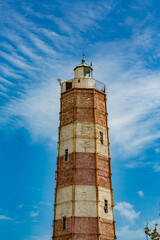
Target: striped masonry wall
[84,180]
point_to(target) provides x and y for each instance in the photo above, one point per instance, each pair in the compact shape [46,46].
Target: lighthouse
[83,207]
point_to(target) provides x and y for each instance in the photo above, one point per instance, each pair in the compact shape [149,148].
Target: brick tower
[83,207]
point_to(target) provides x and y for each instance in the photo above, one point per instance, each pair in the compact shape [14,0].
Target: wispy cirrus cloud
[157,166]
[133,96]
[34,214]
[89,16]
[37,57]
[42,204]
[36,110]
[39,237]
[39,44]
[4,217]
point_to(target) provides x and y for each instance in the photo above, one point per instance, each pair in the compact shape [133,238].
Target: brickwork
[85,176]
[85,160]
[103,163]
[59,227]
[63,209]
[101,119]
[85,237]
[67,117]
[87,183]
[85,115]
[104,172]
[84,228]
[86,225]
[105,194]
[100,102]
[78,237]
[65,237]
[65,173]
[104,179]
[67,100]
[85,170]
[84,107]
[86,208]
[106,229]
[85,98]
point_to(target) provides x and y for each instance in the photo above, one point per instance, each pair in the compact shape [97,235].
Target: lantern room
[82,78]
[83,70]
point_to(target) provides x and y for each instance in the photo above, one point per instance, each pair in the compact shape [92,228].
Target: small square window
[68,85]
[64,223]
[66,154]
[101,137]
[105,206]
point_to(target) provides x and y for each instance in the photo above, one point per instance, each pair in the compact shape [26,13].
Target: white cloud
[9,72]
[140,193]
[126,233]
[133,98]
[134,92]
[37,111]
[45,203]
[157,166]
[34,214]
[152,223]
[157,150]
[21,206]
[41,45]
[39,237]
[126,210]
[5,81]
[3,217]
[42,203]
[89,16]
[17,61]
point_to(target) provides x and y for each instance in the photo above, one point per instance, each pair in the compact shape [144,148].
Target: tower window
[101,137]
[68,85]
[105,206]
[66,154]
[87,72]
[64,223]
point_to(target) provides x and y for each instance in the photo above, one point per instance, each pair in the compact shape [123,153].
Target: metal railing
[100,86]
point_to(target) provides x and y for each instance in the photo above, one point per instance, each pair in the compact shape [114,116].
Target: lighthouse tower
[83,208]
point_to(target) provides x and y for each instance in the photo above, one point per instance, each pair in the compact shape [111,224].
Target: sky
[43,40]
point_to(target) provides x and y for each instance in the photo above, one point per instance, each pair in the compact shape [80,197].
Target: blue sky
[42,40]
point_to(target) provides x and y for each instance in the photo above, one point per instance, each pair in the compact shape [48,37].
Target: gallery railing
[100,86]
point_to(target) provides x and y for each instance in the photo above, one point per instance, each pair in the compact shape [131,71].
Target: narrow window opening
[68,85]
[66,154]
[105,206]
[64,223]
[101,137]
[86,72]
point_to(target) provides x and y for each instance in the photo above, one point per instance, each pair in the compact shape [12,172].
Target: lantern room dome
[83,64]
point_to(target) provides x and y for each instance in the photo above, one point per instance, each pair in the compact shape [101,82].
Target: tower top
[83,64]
